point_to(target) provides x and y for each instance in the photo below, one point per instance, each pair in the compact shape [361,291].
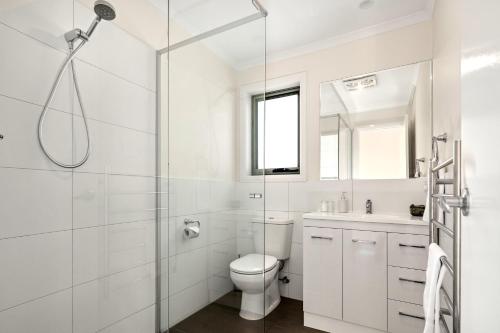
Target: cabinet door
[365,278]
[323,271]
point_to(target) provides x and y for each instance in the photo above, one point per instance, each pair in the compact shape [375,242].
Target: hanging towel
[426,216]
[434,279]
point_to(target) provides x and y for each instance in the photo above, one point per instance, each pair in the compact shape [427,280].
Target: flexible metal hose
[68,61]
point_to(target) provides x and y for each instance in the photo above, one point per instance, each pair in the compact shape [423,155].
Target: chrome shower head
[104,10]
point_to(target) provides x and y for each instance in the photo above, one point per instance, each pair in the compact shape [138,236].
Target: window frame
[255,99]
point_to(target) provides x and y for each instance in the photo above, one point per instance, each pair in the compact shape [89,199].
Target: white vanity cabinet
[364,274]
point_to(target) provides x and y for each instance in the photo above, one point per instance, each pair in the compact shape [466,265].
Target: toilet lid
[253,264]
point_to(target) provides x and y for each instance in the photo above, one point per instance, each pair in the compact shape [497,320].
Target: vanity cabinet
[323,286]
[364,277]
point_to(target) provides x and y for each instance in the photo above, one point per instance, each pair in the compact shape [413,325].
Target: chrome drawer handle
[411,316]
[322,237]
[364,241]
[414,246]
[413,281]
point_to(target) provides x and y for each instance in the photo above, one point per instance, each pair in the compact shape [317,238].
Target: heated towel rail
[457,204]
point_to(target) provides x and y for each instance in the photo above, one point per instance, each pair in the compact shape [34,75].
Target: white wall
[77,246]
[408,45]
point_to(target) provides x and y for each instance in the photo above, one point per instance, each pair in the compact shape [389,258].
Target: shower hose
[67,61]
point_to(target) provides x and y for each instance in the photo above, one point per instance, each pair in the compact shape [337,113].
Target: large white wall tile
[100,251]
[222,226]
[51,314]
[187,269]
[115,149]
[307,196]
[45,20]
[28,80]
[295,286]
[389,196]
[102,199]
[187,302]
[143,321]
[102,302]
[295,262]
[33,201]
[114,100]
[34,266]
[276,196]
[20,147]
[114,50]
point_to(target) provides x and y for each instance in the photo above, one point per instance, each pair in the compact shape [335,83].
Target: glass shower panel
[207,212]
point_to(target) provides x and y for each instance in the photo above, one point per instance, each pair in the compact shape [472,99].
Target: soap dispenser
[342,204]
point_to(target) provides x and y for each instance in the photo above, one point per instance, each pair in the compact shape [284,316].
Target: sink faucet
[369,207]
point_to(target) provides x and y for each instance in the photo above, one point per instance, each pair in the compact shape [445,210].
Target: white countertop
[370,218]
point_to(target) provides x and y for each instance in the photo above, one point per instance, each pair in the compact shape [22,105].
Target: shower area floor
[222,316]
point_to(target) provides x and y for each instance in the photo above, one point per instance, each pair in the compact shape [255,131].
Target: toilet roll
[191,231]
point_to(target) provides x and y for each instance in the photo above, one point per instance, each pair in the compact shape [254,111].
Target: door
[365,278]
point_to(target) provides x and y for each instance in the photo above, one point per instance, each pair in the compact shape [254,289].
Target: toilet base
[252,305]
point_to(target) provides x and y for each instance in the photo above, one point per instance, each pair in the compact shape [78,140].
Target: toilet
[256,274]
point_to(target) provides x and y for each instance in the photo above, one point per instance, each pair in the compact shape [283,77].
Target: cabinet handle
[414,246]
[411,316]
[322,237]
[413,281]
[364,241]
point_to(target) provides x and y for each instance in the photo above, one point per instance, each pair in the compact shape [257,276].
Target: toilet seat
[253,264]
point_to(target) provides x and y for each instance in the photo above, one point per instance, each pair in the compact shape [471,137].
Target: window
[275,133]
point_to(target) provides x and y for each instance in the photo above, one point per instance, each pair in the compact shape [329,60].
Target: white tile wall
[81,239]
[20,148]
[33,267]
[101,251]
[51,314]
[102,302]
[26,208]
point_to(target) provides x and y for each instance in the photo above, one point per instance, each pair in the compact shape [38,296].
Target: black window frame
[255,132]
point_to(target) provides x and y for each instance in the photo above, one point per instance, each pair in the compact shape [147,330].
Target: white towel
[426,216]
[434,278]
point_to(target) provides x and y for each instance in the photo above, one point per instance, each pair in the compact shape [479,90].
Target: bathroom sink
[362,217]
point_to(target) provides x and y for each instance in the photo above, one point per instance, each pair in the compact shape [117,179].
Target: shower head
[104,10]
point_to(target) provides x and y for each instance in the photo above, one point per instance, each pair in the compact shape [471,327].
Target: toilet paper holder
[192,229]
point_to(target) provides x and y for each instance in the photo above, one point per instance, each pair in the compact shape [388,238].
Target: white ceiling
[293,26]
[394,89]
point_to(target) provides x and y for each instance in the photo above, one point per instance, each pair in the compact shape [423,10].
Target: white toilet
[256,274]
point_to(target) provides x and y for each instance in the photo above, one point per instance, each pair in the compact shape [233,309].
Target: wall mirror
[377,125]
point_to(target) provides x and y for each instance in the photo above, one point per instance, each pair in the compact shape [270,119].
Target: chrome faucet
[369,207]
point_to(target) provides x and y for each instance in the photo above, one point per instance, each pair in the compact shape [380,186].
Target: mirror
[377,125]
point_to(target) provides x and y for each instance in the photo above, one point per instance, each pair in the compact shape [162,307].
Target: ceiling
[293,26]
[394,89]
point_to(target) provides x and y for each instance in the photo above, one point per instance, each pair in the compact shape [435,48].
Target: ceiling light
[357,83]
[365,4]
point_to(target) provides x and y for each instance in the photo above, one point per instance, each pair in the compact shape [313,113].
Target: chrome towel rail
[458,204]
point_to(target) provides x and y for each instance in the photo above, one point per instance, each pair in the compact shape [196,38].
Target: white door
[365,278]
[480,104]
[323,271]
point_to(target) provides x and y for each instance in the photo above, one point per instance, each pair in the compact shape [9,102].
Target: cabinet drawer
[322,286]
[405,317]
[365,278]
[408,250]
[406,284]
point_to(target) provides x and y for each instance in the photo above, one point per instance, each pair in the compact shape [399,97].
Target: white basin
[362,217]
